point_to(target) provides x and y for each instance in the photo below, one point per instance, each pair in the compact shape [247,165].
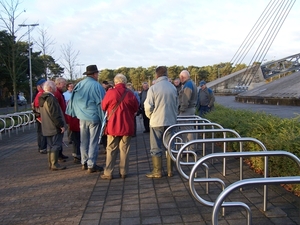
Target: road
[6,110]
[228,101]
[276,110]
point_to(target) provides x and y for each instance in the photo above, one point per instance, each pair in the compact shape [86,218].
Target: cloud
[133,33]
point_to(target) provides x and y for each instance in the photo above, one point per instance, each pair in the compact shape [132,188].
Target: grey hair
[185,73]
[49,86]
[120,78]
[59,80]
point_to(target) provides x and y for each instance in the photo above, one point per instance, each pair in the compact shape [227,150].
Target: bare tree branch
[69,59]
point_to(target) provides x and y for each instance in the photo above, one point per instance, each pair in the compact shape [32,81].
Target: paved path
[31,194]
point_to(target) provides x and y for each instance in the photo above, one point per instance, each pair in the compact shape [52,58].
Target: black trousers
[146,121]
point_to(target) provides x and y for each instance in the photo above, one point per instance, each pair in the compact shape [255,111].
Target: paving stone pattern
[32,194]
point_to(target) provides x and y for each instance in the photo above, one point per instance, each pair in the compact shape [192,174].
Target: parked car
[21,100]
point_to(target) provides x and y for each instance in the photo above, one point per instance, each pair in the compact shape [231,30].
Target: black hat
[91,69]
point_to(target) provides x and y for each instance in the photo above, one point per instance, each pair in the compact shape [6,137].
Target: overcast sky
[133,33]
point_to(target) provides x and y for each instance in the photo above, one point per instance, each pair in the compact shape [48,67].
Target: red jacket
[121,123]
[73,123]
[36,99]
[61,100]
[36,103]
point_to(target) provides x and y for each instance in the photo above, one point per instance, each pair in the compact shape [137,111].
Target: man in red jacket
[42,141]
[60,86]
[121,106]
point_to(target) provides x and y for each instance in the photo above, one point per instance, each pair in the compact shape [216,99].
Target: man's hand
[62,129]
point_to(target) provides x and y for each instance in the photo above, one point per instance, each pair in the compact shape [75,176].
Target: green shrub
[274,132]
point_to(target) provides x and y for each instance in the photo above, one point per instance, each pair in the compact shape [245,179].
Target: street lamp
[80,68]
[29,56]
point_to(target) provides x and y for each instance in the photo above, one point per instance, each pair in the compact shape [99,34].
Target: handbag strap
[116,106]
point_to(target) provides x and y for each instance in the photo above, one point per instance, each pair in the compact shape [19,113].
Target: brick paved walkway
[31,194]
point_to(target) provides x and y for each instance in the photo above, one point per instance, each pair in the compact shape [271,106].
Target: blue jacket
[85,102]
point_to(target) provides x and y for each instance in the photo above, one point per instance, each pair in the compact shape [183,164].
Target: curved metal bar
[19,120]
[238,184]
[16,120]
[224,131]
[25,118]
[203,180]
[8,118]
[189,120]
[166,143]
[31,117]
[182,149]
[191,116]
[239,154]
[3,128]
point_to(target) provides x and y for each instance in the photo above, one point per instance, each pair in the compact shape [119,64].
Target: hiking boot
[77,160]
[123,176]
[43,151]
[84,167]
[62,156]
[106,177]
[95,169]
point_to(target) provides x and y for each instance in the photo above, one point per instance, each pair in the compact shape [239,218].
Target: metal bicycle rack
[240,140]
[177,126]
[238,184]
[169,144]
[211,131]
[195,120]
[8,120]
[16,117]
[16,120]
[189,116]
[224,194]
[3,128]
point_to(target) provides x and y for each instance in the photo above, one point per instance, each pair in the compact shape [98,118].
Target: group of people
[81,110]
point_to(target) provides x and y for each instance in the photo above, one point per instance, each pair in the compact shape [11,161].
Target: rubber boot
[156,172]
[49,159]
[169,165]
[54,159]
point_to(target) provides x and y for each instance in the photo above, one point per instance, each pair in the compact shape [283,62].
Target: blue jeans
[89,137]
[54,142]
[156,141]
[203,110]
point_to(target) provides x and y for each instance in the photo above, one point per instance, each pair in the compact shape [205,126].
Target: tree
[69,59]
[8,15]
[52,68]
[107,75]
[45,42]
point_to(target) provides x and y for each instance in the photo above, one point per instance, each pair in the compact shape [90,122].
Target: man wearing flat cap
[85,104]
[41,140]
[206,99]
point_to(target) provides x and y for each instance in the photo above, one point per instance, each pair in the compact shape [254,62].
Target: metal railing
[14,121]
[201,161]
[239,139]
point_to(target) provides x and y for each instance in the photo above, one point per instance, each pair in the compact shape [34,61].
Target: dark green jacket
[51,115]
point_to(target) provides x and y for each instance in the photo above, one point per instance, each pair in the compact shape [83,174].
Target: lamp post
[29,56]
[80,68]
